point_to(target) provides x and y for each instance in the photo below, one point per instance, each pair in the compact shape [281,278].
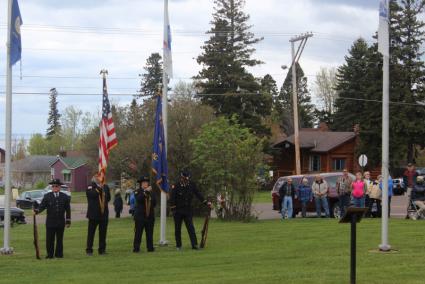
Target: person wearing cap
[181,205]
[144,214]
[98,197]
[409,180]
[343,189]
[58,209]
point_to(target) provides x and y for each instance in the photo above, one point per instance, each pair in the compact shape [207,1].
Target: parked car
[64,189]
[398,186]
[27,198]
[421,171]
[330,178]
[17,214]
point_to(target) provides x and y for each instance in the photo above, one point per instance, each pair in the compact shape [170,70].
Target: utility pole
[295,58]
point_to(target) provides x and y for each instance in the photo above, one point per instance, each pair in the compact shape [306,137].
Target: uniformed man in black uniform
[144,215]
[181,206]
[58,215]
[98,213]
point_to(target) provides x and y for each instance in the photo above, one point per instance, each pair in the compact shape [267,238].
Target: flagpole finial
[103,72]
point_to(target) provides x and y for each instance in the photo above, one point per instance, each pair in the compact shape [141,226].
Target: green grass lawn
[78,197]
[262,197]
[295,251]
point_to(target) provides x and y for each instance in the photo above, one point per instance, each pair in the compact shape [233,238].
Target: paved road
[78,213]
[262,210]
[398,209]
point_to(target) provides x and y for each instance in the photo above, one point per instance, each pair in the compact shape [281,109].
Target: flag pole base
[384,248]
[163,243]
[6,251]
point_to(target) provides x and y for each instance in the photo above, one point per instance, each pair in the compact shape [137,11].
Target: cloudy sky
[67,43]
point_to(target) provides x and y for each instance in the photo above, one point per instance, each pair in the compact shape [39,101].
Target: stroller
[418,194]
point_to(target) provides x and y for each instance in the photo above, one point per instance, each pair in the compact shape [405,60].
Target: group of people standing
[305,193]
[359,192]
[362,192]
[98,196]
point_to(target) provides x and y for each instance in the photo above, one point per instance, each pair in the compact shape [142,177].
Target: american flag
[108,138]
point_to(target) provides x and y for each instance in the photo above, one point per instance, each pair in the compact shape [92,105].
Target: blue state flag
[159,155]
[15,34]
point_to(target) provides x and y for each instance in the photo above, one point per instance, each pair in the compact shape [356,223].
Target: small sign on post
[363,161]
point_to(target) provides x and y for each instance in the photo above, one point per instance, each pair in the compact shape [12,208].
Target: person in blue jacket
[305,195]
[390,191]
[132,202]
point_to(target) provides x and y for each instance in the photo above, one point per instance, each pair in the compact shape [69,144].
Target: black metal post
[353,249]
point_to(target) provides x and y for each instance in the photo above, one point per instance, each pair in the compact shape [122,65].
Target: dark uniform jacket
[57,208]
[181,197]
[94,193]
[118,203]
[144,209]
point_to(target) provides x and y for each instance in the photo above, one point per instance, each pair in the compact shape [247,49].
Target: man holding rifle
[181,206]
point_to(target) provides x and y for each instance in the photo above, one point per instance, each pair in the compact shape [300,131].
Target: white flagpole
[6,239]
[384,246]
[163,225]
[383,37]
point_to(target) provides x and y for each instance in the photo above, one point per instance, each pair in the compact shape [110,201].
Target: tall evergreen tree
[351,86]
[152,76]
[407,38]
[54,117]
[224,60]
[283,103]
[134,116]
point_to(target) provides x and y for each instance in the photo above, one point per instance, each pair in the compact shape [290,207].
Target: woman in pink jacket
[359,188]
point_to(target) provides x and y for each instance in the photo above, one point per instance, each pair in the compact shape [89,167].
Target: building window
[67,177]
[338,164]
[52,172]
[315,163]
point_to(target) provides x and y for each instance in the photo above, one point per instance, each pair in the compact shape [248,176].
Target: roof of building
[34,163]
[319,141]
[71,162]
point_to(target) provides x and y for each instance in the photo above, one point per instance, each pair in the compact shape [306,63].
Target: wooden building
[321,151]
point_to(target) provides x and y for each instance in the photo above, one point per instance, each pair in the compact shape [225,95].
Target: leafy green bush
[229,157]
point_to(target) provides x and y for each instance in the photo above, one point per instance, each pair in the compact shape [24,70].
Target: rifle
[35,231]
[205,229]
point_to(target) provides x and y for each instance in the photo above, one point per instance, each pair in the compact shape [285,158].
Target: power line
[117,78]
[379,101]
[72,77]
[72,87]
[159,33]
[70,94]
